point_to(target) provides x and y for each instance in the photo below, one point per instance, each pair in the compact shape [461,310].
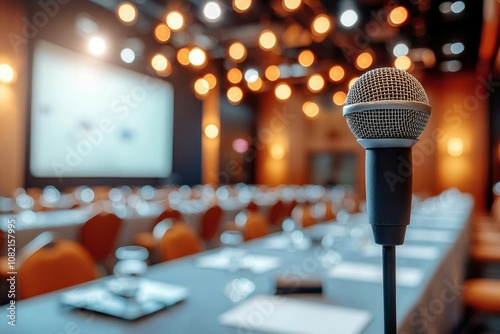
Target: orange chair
[210,223]
[147,239]
[277,213]
[57,265]
[179,240]
[256,226]
[98,235]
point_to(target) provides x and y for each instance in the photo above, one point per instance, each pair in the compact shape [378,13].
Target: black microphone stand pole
[389,275]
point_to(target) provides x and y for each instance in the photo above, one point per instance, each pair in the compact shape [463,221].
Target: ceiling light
[175,20]
[159,62]
[282,91]
[364,60]
[127,13]
[201,87]
[306,58]
[183,56]
[241,6]
[339,98]
[97,46]
[321,24]
[272,73]
[403,63]
[398,16]
[457,7]
[211,79]
[291,5]
[162,33]
[315,83]
[127,55]
[237,52]
[234,95]
[349,18]
[450,66]
[267,40]
[197,57]
[212,11]
[255,85]
[336,73]
[251,75]
[234,75]
[400,49]
[310,109]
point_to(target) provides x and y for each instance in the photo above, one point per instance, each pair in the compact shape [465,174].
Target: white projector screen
[94,119]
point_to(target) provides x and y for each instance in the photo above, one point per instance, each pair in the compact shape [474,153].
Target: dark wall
[60,29]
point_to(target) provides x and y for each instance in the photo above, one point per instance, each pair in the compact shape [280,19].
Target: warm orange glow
[162,33]
[455,147]
[211,79]
[403,63]
[306,58]
[197,57]
[398,16]
[282,91]
[201,86]
[310,109]
[241,6]
[428,58]
[234,95]
[315,83]
[277,152]
[291,5]
[267,40]
[237,52]
[339,98]
[255,85]
[234,75]
[175,20]
[211,131]
[321,24]
[364,60]
[7,73]
[159,62]
[352,81]
[127,13]
[336,73]
[183,56]
[272,73]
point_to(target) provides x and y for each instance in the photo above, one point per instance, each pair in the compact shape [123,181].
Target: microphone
[387,109]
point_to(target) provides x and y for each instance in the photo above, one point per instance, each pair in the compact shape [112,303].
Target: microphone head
[387,103]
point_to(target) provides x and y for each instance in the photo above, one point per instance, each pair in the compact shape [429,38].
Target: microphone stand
[389,276]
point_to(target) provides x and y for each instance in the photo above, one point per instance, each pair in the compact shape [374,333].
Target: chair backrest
[277,213]
[303,215]
[210,223]
[179,240]
[98,235]
[256,226]
[169,213]
[57,265]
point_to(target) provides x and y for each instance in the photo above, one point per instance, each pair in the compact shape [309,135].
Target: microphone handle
[388,193]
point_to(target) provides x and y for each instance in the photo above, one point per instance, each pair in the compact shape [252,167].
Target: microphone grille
[387,84]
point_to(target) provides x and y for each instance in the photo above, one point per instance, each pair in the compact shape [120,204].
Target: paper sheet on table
[429,235]
[363,272]
[276,314]
[257,264]
[281,242]
[405,251]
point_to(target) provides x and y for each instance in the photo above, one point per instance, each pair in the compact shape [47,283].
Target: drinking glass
[129,269]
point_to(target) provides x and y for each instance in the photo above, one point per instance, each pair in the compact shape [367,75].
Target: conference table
[431,266]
